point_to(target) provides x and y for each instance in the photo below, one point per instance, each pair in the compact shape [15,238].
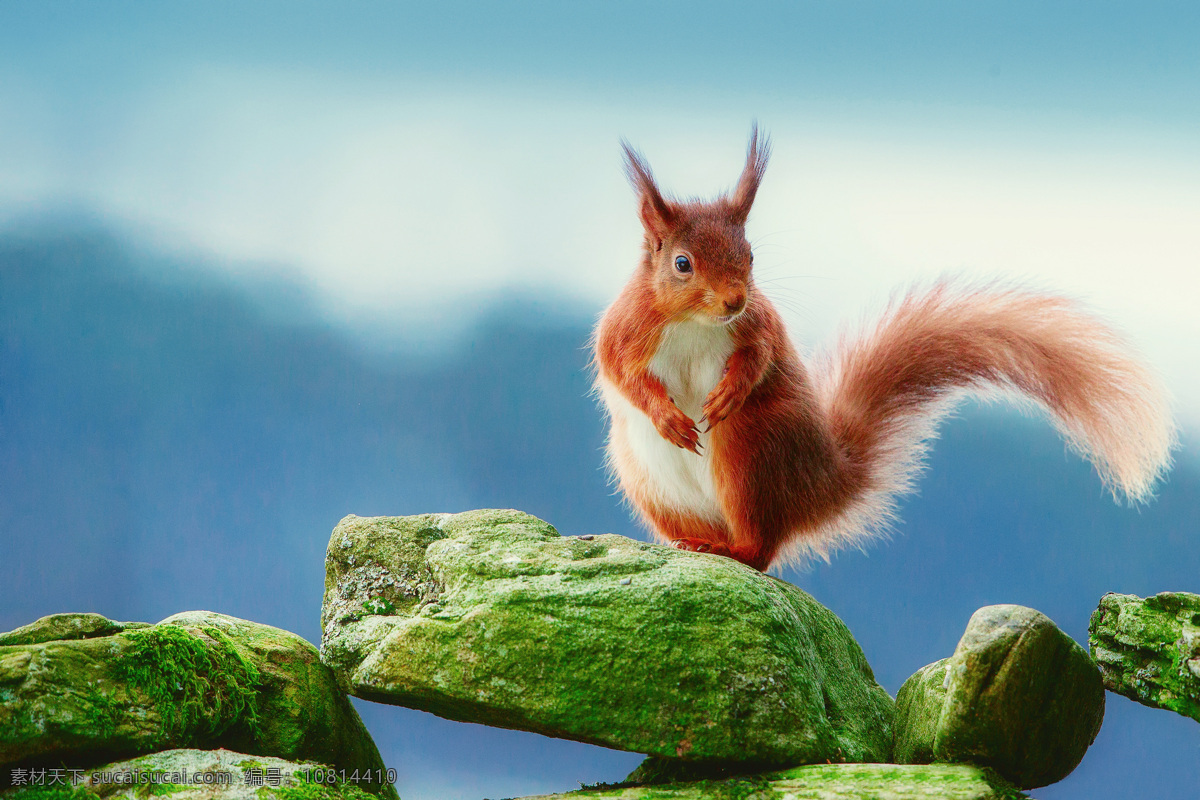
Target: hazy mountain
[171,441]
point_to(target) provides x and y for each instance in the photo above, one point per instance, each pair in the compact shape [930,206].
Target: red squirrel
[793,461]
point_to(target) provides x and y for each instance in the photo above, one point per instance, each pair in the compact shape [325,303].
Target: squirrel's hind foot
[749,557]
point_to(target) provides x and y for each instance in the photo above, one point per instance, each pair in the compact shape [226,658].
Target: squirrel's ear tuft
[658,218]
[757,155]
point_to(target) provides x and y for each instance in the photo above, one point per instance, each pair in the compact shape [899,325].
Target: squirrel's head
[697,257]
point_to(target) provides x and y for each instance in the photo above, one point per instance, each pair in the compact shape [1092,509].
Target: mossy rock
[826,782]
[186,774]
[1149,650]
[1018,695]
[196,679]
[65,627]
[493,617]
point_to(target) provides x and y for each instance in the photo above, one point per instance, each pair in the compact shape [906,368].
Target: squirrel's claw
[678,429]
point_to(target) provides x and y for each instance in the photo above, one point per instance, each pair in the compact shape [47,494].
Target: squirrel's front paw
[678,429]
[726,398]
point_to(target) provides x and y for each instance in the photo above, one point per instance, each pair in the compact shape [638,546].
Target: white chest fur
[690,360]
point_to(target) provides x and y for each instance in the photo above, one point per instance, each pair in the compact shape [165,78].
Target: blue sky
[1100,58]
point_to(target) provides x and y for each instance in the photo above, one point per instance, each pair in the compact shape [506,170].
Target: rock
[1149,650]
[828,782]
[196,679]
[187,775]
[493,617]
[64,627]
[1018,695]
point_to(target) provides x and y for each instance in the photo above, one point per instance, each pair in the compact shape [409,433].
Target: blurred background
[264,265]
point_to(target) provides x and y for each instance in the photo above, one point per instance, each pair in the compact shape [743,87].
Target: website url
[139,777]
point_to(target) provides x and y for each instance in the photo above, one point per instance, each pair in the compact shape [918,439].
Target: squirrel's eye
[682,264]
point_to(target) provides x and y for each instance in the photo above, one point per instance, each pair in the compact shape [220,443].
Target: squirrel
[795,461]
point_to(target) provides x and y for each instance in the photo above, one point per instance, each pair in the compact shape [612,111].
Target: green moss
[738,789]
[157,788]
[49,793]
[301,788]
[197,686]
[899,780]
[101,713]
[1004,790]
[379,605]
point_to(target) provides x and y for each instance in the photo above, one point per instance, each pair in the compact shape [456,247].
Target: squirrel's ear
[757,155]
[658,218]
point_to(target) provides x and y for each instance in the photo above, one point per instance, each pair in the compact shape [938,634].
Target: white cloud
[398,200]
[1115,230]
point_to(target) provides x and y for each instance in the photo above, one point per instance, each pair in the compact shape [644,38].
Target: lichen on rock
[493,617]
[1149,650]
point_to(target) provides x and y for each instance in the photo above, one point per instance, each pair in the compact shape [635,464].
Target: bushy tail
[886,390]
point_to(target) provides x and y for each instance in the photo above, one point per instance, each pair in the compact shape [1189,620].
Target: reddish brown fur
[803,466]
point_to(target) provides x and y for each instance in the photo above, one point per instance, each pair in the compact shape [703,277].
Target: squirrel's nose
[735,303]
